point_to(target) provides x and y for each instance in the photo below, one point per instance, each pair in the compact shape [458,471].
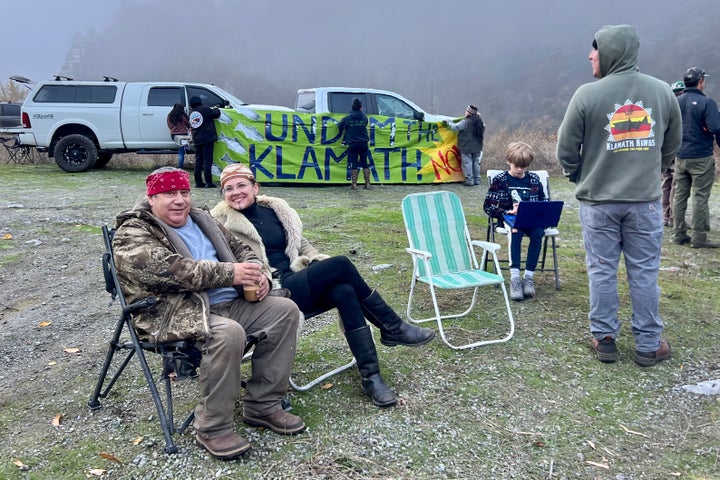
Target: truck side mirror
[418,115]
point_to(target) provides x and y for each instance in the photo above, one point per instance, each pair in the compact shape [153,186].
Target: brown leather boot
[353,179]
[366,174]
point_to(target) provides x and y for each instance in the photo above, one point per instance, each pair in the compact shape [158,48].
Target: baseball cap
[694,75]
[678,86]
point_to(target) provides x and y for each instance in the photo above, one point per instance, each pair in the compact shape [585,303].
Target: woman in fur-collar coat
[317,282]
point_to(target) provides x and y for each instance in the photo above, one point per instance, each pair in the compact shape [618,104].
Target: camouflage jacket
[152,261]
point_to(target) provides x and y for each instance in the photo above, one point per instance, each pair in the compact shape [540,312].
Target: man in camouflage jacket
[179,255]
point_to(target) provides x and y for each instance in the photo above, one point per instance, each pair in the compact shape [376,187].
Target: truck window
[305,102]
[342,102]
[76,94]
[393,107]
[209,99]
[166,96]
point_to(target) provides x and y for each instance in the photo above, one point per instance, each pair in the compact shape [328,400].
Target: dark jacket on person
[471,132]
[354,125]
[202,124]
[701,124]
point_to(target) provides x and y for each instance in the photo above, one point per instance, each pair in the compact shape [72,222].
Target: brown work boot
[279,421]
[648,359]
[227,446]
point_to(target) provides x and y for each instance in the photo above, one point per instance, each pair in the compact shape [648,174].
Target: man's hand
[248,273]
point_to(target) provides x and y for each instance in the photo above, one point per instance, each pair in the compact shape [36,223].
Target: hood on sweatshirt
[618,47]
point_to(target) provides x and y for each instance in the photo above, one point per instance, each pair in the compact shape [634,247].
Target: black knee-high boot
[363,348]
[393,331]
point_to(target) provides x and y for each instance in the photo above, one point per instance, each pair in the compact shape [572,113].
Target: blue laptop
[536,215]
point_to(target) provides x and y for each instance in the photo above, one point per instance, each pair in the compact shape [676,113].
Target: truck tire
[75,153]
[103,159]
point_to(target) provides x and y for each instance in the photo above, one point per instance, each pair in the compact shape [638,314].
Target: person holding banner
[356,138]
[316,281]
[471,131]
[204,135]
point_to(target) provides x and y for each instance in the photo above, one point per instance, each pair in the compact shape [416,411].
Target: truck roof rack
[109,79]
[61,77]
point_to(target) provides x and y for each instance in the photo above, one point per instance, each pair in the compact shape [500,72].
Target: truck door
[156,101]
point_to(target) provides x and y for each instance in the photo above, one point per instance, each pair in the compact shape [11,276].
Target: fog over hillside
[519,60]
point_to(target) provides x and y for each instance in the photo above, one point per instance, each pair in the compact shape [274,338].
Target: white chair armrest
[489,246]
[419,253]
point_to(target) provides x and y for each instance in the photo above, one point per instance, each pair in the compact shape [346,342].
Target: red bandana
[167,182]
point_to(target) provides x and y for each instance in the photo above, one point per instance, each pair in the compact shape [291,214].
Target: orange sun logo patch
[630,127]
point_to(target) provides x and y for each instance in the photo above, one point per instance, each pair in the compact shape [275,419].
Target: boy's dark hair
[519,154]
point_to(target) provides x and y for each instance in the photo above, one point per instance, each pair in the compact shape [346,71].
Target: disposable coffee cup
[250,292]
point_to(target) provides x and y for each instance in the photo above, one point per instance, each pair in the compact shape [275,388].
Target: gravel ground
[478,414]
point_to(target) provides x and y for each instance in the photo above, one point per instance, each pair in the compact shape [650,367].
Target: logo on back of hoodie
[630,127]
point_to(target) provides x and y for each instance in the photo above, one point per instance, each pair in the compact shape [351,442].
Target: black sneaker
[605,349]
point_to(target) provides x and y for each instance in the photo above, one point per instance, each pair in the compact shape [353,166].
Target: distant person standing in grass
[179,125]
[695,162]
[471,131]
[618,135]
[354,126]
[204,138]
[668,187]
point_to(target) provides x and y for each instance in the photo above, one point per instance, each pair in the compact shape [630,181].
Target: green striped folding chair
[444,258]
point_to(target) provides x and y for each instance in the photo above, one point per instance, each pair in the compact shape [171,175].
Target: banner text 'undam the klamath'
[290,147]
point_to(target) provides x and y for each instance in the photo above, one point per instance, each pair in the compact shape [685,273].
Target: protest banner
[289,147]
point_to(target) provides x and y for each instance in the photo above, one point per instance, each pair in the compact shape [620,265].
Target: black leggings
[330,283]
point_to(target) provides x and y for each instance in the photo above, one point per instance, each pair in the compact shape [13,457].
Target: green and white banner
[291,147]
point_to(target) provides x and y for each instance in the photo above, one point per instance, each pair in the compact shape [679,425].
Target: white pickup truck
[82,124]
[375,102]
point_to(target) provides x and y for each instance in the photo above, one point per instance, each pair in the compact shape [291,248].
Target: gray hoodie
[620,132]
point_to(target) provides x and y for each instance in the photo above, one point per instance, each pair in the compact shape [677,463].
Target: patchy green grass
[539,406]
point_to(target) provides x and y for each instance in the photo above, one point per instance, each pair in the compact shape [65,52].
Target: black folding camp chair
[180,359]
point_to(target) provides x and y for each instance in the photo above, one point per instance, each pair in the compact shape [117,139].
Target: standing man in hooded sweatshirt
[618,135]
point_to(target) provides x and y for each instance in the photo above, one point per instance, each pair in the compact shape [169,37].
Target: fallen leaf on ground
[45,324]
[57,420]
[110,456]
[327,386]
[71,350]
[96,472]
[137,440]
[7,236]
[18,463]
[52,363]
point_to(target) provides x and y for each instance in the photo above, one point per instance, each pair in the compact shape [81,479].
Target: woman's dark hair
[177,113]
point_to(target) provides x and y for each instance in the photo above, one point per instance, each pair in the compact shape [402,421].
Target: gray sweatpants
[275,321]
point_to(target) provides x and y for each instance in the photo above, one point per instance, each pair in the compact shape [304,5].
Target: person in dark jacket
[204,137]
[356,138]
[316,281]
[470,142]
[695,164]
